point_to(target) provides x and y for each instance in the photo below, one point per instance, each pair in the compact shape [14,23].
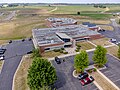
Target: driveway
[13,56]
[113,34]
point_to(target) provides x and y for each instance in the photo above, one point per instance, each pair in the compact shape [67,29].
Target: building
[56,22]
[61,37]
[91,26]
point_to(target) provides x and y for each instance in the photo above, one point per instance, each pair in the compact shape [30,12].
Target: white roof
[63,35]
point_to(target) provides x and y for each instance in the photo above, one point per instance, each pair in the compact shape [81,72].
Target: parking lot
[113,71]
[13,55]
[66,81]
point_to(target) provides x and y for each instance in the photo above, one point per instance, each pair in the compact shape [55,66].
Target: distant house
[91,26]
[56,22]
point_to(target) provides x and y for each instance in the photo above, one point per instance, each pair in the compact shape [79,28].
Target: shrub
[62,49]
[94,69]
[77,50]
[56,50]
[65,52]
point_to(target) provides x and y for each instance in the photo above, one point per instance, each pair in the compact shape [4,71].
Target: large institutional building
[56,22]
[60,37]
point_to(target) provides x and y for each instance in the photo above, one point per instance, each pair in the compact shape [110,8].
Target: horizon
[60,1]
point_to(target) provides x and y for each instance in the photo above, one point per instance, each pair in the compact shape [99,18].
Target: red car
[87,80]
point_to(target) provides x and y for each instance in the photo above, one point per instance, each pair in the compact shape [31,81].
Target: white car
[1,57]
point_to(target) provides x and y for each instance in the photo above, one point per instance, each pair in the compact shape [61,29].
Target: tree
[36,53]
[99,56]
[119,52]
[78,13]
[41,74]
[81,61]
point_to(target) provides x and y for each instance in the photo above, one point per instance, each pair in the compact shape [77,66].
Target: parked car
[10,41]
[2,51]
[23,40]
[58,61]
[1,57]
[30,39]
[87,80]
[29,52]
[82,76]
[113,40]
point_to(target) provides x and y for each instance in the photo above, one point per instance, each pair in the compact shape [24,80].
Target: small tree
[99,56]
[36,53]
[81,61]
[41,74]
[119,52]
[78,13]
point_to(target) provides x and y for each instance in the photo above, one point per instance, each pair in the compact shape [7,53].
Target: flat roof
[63,35]
[47,36]
[61,21]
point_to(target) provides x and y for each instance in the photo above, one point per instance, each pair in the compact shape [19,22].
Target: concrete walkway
[71,54]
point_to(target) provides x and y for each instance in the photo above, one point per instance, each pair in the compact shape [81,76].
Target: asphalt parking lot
[65,79]
[67,82]
[13,56]
[113,70]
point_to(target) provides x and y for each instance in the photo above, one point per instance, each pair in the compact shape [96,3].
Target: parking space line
[116,80]
[111,76]
[106,72]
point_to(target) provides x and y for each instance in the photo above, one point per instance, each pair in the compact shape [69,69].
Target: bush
[62,49]
[77,50]
[65,52]
[90,71]
[78,45]
[56,50]
[94,69]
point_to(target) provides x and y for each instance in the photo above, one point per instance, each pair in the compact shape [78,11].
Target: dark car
[10,41]
[87,80]
[29,52]
[23,40]
[58,61]
[2,51]
[29,39]
[82,76]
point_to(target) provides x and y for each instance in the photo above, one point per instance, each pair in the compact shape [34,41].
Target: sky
[59,1]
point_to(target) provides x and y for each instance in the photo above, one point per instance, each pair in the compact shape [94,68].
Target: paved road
[10,16]
[12,61]
[113,34]
[65,79]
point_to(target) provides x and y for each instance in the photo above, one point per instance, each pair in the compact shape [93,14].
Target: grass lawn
[86,45]
[103,82]
[1,63]
[107,27]
[94,21]
[20,82]
[102,42]
[73,9]
[50,54]
[113,50]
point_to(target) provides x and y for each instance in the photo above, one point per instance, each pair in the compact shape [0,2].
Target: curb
[99,87]
[108,80]
[74,74]
[16,72]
